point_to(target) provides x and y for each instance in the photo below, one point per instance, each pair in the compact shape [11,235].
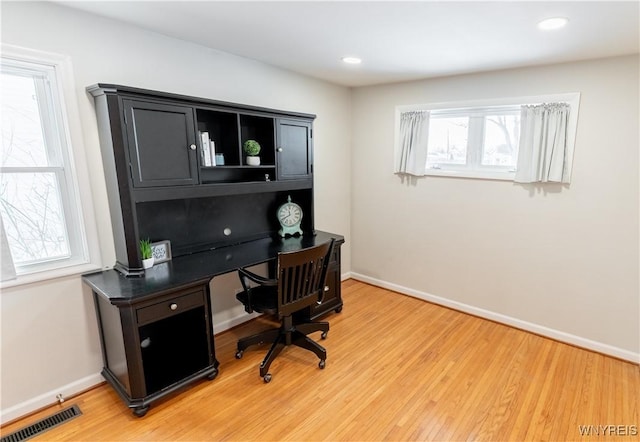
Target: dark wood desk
[156,330]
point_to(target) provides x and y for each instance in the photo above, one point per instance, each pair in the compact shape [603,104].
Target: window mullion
[47,106]
[474,149]
[73,226]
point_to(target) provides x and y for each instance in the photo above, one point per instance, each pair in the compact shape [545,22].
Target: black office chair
[300,283]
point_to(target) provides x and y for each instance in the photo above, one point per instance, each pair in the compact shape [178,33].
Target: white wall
[560,261]
[49,337]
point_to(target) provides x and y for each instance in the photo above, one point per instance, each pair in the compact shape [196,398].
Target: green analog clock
[289,217]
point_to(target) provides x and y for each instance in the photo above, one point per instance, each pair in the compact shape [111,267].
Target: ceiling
[397,40]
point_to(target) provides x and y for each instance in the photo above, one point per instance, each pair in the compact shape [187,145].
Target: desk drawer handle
[173,306]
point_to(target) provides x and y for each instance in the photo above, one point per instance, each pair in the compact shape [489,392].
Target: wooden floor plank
[398,368]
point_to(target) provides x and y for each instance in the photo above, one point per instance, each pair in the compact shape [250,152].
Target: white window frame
[493,173]
[77,206]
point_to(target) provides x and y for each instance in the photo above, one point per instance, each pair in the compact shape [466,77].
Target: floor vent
[43,425]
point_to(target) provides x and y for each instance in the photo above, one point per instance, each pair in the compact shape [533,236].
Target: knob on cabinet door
[173,306]
[193,147]
[279,149]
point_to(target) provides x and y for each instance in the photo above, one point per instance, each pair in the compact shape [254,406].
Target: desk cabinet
[162,144]
[294,149]
[154,347]
[332,295]
[156,331]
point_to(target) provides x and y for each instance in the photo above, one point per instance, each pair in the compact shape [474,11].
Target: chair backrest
[301,277]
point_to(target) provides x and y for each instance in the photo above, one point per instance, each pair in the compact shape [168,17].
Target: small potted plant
[252,149]
[147,253]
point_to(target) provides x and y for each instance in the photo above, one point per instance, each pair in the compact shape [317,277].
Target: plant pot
[148,263]
[253,161]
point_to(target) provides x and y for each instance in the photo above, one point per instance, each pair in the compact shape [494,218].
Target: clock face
[289,215]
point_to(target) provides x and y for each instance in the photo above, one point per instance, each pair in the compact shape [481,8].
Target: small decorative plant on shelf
[146,253]
[252,149]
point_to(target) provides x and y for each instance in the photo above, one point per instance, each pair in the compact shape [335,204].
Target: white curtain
[412,143]
[7,269]
[542,155]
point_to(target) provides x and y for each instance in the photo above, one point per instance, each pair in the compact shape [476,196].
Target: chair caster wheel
[324,335]
[322,364]
[239,354]
[267,378]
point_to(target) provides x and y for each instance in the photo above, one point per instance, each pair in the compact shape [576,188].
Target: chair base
[287,334]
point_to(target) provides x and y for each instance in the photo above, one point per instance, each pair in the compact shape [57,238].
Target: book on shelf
[205,143]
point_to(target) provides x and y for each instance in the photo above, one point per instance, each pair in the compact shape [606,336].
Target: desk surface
[196,268]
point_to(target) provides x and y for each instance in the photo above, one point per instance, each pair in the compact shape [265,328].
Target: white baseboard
[49,398]
[507,320]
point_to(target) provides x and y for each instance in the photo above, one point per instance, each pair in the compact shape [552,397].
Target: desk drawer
[169,307]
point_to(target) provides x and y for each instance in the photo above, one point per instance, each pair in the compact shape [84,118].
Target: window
[478,139]
[40,204]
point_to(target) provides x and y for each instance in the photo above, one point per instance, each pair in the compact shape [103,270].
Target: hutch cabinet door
[162,144]
[293,138]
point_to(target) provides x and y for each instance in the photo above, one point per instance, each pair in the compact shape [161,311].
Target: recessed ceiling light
[352,60]
[553,23]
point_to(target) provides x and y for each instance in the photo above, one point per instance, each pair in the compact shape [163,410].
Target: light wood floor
[398,368]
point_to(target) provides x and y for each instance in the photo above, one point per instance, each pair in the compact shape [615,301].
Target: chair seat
[264,299]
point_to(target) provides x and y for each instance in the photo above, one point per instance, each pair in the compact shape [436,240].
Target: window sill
[474,174]
[47,275]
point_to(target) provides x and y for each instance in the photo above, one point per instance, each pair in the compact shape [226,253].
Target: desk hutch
[155,325]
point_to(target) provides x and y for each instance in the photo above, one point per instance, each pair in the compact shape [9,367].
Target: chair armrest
[257,278]
[246,276]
